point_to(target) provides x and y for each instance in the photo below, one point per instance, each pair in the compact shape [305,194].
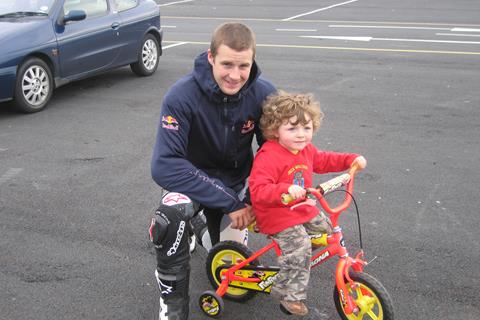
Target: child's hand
[296,192]
[360,162]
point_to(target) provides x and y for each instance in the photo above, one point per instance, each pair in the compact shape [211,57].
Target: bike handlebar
[329,186]
[323,188]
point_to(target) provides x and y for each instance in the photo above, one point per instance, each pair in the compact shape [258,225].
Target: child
[285,164]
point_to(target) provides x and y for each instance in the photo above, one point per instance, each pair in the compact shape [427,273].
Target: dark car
[47,43]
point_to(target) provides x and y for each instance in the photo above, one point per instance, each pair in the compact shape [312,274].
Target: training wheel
[211,303]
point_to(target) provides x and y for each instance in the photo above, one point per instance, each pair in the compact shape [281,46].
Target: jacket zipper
[227,128]
[225,114]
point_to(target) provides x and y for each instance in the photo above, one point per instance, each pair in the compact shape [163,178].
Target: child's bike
[236,274]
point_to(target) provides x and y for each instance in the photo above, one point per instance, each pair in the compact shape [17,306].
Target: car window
[123,5]
[93,8]
[9,6]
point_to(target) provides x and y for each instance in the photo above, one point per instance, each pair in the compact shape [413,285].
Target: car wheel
[34,86]
[147,59]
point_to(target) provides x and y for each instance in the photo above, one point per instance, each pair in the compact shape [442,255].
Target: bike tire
[228,253]
[375,302]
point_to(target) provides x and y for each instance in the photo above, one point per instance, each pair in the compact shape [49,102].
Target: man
[203,153]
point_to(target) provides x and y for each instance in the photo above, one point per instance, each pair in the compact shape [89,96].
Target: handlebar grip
[334,183]
[354,168]
[286,198]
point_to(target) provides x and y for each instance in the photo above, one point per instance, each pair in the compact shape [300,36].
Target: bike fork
[342,274]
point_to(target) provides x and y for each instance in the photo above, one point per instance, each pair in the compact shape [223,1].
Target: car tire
[147,58]
[34,86]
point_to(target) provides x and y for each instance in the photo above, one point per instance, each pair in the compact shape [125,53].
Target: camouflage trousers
[291,283]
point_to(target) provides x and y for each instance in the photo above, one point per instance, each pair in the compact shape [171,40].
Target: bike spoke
[373,315]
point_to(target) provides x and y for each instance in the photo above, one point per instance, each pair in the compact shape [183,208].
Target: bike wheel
[370,296]
[227,253]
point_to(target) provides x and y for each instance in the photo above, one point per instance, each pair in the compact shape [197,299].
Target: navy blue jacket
[204,139]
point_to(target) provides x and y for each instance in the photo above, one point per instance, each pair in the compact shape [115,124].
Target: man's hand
[241,218]
[251,214]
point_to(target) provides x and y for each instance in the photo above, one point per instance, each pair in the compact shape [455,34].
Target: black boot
[174,297]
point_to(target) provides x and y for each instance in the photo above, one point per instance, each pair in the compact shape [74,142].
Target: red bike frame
[335,247]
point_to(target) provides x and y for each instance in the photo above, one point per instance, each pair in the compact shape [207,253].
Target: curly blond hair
[280,107]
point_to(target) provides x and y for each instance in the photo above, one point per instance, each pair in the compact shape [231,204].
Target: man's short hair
[234,35]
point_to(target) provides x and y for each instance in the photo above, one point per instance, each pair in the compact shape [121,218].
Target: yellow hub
[210,306]
[227,257]
[368,303]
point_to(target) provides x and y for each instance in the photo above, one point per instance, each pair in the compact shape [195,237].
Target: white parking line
[175,2]
[310,47]
[299,30]
[388,39]
[12,172]
[384,27]
[339,38]
[318,10]
[427,40]
[465,30]
[3,149]
[174,45]
[456,29]
[458,34]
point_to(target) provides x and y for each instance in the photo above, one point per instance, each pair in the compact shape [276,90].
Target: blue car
[47,43]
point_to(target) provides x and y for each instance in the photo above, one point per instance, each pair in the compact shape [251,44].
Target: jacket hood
[203,75]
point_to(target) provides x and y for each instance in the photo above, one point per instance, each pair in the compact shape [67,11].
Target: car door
[88,45]
[132,29]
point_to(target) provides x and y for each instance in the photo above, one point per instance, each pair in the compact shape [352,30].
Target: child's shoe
[297,308]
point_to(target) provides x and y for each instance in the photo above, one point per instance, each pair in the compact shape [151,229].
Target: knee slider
[169,233]
[158,227]
[166,225]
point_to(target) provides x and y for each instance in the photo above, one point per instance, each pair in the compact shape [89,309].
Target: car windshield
[18,8]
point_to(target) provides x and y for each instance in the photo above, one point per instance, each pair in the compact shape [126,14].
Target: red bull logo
[169,122]
[248,126]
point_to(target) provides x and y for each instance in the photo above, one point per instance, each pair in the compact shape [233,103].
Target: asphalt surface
[401,89]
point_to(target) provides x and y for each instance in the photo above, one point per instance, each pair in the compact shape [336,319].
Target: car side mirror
[74,15]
